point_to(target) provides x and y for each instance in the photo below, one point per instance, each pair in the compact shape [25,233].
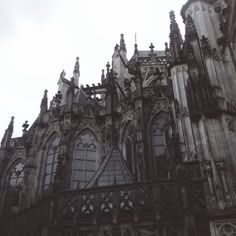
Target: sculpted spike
[122,43]
[76,67]
[176,41]
[44,102]
[191,32]
[8,134]
[76,73]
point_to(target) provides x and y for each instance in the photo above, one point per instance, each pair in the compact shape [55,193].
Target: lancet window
[14,188]
[159,150]
[159,146]
[129,147]
[84,164]
[52,153]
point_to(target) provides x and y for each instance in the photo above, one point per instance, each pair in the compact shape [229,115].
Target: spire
[44,102]
[176,41]
[108,69]
[122,43]
[103,76]
[76,71]
[136,52]
[76,68]
[8,134]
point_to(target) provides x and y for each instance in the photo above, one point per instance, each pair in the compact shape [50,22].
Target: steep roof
[80,97]
[112,171]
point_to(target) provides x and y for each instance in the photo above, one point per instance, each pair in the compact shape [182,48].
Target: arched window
[160,159]
[159,145]
[52,152]
[84,164]
[14,188]
[128,147]
[129,153]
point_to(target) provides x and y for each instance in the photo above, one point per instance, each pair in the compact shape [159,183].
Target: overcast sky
[38,39]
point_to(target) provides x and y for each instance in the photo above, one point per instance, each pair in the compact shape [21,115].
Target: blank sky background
[38,39]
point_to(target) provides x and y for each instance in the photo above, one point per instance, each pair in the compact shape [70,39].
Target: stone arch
[49,160]
[157,139]
[127,143]
[13,186]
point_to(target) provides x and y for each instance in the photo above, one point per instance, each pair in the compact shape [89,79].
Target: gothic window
[84,165]
[52,152]
[129,147]
[159,147]
[129,152]
[160,161]
[14,188]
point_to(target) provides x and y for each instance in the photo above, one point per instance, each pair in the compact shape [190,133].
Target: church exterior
[151,150]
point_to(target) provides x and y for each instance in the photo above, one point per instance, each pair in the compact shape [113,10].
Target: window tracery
[159,149]
[51,161]
[159,146]
[84,164]
[129,147]
[14,188]
[227,230]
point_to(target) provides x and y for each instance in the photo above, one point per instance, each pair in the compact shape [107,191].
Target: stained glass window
[84,164]
[14,188]
[52,151]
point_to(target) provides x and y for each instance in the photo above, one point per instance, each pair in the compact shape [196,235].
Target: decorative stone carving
[220,165]
[231,106]
[232,125]
[206,47]
[203,7]
[53,127]
[206,168]
[196,8]
[226,228]
[185,112]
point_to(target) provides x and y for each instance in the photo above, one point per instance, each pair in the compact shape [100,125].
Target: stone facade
[148,151]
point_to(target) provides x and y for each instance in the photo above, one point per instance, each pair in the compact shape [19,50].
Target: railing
[104,205]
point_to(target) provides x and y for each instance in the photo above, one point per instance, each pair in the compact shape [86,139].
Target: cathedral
[148,151]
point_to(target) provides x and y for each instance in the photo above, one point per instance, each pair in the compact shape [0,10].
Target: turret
[176,41]
[5,143]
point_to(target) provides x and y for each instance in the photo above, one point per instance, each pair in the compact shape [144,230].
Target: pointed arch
[52,150]
[158,137]
[128,137]
[14,187]
[84,159]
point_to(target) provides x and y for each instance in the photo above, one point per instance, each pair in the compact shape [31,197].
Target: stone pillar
[179,78]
